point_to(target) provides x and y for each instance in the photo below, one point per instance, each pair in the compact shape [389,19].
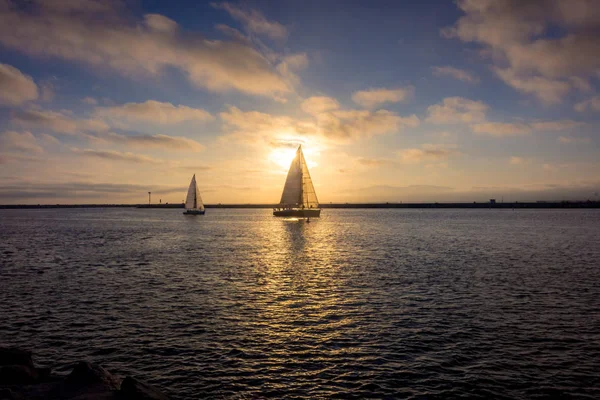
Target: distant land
[537,204]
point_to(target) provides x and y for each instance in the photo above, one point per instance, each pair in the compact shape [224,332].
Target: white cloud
[560,125]
[48,140]
[427,153]
[234,34]
[115,155]
[296,60]
[98,131]
[502,128]
[57,122]
[105,36]
[23,142]
[346,125]
[254,22]
[522,128]
[159,141]
[548,167]
[89,100]
[155,112]
[574,140]
[319,104]
[252,122]
[334,125]
[373,162]
[16,88]
[288,66]
[455,110]
[546,48]
[592,104]
[160,23]
[374,97]
[456,73]
[517,160]
[548,91]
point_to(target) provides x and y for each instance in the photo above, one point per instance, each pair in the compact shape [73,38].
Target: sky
[392,101]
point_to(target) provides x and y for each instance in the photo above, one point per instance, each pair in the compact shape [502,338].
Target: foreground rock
[16,367]
[134,389]
[21,380]
[12,356]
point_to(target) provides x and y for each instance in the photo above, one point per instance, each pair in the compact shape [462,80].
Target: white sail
[199,204]
[299,190]
[309,196]
[193,201]
[292,190]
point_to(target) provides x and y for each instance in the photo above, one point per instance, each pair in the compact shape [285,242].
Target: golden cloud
[102,34]
[16,88]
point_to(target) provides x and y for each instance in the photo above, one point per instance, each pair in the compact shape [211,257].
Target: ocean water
[238,304]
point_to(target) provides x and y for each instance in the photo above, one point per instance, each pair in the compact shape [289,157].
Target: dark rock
[20,380]
[87,381]
[38,391]
[86,373]
[43,373]
[17,375]
[12,356]
[6,394]
[133,389]
[16,368]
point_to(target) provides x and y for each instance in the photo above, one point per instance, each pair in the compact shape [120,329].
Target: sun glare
[283,156]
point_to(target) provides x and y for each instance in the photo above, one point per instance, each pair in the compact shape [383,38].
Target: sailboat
[193,201]
[299,198]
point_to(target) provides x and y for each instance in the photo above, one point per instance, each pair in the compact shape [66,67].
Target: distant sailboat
[193,201]
[299,198]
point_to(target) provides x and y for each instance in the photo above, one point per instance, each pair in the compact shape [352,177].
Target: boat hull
[298,212]
[194,212]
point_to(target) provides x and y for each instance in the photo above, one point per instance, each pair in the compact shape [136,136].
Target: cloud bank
[155,112]
[103,34]
[545,48]
[455,110]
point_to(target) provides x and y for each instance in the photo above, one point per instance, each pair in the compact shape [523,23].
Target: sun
[282,157]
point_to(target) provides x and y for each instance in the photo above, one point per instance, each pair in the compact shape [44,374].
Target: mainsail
[193,200]
[299,190]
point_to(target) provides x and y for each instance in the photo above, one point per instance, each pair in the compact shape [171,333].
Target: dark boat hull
[193,212]
[298,212]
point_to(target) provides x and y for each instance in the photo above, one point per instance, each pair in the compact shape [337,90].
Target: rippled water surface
[357,304]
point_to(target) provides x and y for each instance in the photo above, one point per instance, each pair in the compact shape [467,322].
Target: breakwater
[538,204]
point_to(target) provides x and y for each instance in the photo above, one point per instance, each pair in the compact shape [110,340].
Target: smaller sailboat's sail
[193,201]
[299,190]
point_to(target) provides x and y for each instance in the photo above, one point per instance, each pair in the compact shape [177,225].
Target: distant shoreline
[539,204]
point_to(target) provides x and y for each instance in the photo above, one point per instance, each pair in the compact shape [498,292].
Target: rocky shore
[21,380]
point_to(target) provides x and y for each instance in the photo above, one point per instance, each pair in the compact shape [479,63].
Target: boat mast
[195,192]
[300,157]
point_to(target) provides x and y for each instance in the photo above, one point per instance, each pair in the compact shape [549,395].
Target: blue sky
[392,100]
